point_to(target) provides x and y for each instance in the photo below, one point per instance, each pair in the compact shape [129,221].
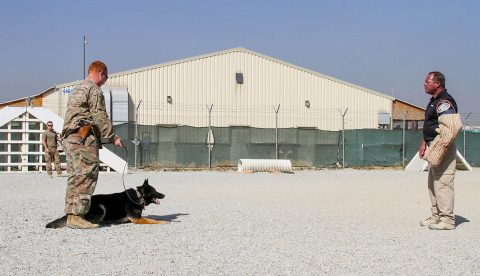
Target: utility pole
[84,45]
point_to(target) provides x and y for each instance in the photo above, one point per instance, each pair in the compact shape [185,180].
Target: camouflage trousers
[82,167]
[55,157]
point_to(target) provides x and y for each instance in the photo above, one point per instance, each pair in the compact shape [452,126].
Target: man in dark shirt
[442,123]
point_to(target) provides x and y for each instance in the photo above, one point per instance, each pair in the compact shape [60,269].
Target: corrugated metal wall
[194,83]
[57,100]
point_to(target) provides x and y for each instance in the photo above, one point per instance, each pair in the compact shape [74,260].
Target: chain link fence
[186,147]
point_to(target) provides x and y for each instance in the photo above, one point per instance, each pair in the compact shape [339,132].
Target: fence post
[343,135]
[136,142]
[464,140]
[210,136]
[404,116]
[276,130]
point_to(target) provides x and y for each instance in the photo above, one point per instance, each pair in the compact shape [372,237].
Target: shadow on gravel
[170,218]
[459,220]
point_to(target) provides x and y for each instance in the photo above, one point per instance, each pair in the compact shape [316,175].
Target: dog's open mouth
[156,201]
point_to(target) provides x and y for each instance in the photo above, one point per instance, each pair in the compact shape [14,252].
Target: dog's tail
[58,223]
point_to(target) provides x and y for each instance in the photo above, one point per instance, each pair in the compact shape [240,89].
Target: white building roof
[9,113]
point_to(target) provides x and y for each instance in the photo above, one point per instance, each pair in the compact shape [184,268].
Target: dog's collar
[141,200]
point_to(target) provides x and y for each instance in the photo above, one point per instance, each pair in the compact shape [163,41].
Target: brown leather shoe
[78,222]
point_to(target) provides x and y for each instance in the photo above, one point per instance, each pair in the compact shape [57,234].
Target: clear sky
[387,46]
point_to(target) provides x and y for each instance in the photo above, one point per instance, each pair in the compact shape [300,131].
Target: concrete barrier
[265,165]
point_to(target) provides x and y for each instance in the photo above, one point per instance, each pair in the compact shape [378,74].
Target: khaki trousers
[441,188]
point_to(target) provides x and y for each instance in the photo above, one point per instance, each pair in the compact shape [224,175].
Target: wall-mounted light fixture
[169,99]
[307,103]
[239,78]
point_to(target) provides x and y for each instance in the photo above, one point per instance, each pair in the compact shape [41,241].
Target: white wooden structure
[21,149]
[418,165]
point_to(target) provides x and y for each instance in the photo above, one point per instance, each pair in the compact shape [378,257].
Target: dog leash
[123,178]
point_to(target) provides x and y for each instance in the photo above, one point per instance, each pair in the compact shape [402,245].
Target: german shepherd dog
[119,207]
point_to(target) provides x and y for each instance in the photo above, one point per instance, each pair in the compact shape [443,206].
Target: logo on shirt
[443,106]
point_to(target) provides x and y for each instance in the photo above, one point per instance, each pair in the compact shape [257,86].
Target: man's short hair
[49,122]
[437,76]
[97,66]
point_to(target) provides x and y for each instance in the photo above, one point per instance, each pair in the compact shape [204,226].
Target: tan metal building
[410,115]
[242,87]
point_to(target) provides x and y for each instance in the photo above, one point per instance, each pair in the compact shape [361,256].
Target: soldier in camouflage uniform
[86,106]
[49,141]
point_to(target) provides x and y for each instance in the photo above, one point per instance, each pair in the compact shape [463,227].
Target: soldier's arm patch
[445,107]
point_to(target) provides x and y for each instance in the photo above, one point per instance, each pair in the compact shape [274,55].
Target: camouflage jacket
[86,102]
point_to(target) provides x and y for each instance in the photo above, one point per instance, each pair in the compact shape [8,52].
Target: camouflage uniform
[50,138]
[86,102]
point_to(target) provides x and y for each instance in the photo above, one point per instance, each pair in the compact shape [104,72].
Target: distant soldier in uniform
[86,122]
[441,126]
[49,141]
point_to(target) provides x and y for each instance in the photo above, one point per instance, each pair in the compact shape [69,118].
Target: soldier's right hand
[118,142]
[421,150]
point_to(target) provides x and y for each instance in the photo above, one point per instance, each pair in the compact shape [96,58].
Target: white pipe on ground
[264,165]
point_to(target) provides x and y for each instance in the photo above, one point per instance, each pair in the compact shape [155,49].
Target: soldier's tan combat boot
[78,222]
[442,225]
[429,221]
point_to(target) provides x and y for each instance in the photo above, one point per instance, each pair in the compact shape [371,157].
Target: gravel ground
[310,222]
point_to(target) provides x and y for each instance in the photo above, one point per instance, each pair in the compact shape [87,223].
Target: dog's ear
[145,183]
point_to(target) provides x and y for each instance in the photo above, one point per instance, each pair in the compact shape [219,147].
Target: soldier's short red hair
[97,66]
